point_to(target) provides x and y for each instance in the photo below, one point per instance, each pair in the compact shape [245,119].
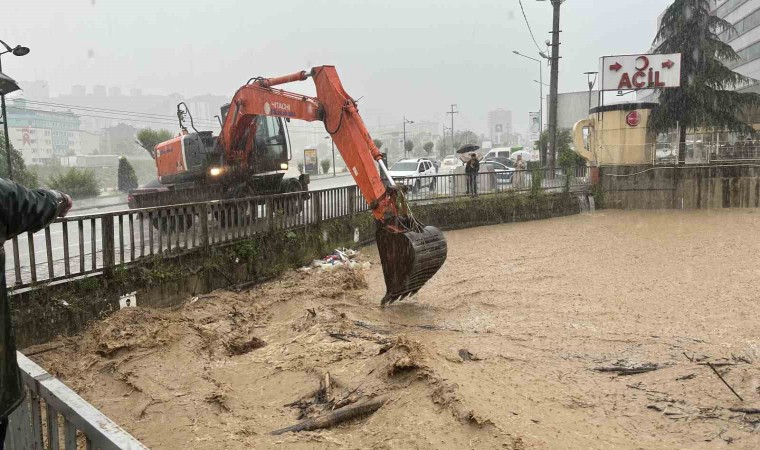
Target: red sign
[633,118]
[635,72]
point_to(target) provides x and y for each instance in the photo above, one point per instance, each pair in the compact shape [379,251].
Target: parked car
[503,172]
[449,163]
[498,154]
[414,173]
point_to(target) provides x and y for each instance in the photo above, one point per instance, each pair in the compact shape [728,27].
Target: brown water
[540,305]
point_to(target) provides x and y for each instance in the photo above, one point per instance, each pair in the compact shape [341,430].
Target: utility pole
[553,87]
[452,112]
[406,122]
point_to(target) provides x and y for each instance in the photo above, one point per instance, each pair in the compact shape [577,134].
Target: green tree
[148,138]
[378,143]
[77,183]
[428,147]
[409,146]
[21,175]
[299,165]
[127,178]
[325,163]
[706,98]
[567,158]
[465,137]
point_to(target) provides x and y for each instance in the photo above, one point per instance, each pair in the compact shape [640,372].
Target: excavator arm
[410,252]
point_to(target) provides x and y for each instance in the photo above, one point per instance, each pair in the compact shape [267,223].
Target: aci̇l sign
[635,72]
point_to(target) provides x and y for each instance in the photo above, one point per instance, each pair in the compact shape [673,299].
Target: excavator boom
[410,252]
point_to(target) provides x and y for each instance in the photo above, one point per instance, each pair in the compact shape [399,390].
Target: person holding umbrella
[471,167]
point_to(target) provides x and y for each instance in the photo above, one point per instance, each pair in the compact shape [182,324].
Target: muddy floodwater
[589,331]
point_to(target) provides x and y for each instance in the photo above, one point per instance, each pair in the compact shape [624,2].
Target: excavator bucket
[409,259]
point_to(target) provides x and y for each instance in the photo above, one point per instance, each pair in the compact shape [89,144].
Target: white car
[450,163]
[415,173]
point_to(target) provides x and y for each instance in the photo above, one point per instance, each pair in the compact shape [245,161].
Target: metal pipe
[385,172]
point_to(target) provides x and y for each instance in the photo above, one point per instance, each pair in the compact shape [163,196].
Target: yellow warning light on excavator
[284,166]
[215,171]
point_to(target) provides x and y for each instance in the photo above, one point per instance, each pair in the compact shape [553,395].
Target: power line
[528,24]
[107,111]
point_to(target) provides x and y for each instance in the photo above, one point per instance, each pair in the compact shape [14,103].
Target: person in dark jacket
[471,169]
[21,210]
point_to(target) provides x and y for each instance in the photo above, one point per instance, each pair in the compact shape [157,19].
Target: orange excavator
[247,159]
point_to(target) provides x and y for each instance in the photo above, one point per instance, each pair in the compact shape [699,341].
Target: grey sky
[405,57]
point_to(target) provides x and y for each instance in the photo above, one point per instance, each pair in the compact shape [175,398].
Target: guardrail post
[351,201]
[270,213]
[204,228]
[109,247]
[316,200]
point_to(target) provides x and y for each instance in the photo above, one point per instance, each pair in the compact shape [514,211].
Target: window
[746,55]
[729,6]
[270,137]
[742,26]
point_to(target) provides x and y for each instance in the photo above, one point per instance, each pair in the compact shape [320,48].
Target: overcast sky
[404,57]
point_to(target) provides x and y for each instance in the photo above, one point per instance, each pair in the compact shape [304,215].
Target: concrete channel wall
[681,187]
[42,314]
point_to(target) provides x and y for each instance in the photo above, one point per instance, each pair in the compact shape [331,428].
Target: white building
[500,126]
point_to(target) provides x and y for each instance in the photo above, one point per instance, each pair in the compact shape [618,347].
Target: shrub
[77,183]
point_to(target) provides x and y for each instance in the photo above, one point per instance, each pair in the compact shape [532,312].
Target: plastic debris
[340,258]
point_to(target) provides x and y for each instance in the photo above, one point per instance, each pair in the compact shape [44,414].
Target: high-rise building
[744,15]
[42,136]
[500,126]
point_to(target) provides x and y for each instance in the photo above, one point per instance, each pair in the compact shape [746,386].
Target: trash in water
[340,258]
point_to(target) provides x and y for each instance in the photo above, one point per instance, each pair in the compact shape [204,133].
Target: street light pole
[5,130]
[591,84]
[452,112]
[406,122]
[17,51]
[333,151]
[540,97]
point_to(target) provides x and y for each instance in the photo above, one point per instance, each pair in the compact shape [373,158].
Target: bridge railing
[53,417]
[79,246]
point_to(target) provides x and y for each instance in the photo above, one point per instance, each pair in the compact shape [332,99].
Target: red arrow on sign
[617,66]
[668,64]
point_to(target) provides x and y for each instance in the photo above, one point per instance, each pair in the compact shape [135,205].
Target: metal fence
[79,246]
[706,153]
[53,417]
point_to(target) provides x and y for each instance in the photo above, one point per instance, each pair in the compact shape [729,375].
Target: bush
[77,183]
[300,166]
[127,178]
[325,163]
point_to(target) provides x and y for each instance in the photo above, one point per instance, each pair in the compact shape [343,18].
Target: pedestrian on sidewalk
[471,169]
[518,180]
[21,210]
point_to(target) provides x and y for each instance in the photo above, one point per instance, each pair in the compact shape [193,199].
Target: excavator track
[409,259]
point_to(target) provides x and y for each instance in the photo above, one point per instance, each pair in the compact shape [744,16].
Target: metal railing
[53,417]
[79,246]
[432,187]
[706,153]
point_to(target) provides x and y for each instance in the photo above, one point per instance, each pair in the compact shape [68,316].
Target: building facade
[42,136]
[500,126]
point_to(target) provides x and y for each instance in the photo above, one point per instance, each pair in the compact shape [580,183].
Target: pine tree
[707,97]
[127,178]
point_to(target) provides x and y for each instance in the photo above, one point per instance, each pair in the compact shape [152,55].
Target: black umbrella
[468,148]
[7,84]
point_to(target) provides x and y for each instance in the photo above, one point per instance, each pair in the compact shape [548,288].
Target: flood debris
[622,368]
[336,417]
